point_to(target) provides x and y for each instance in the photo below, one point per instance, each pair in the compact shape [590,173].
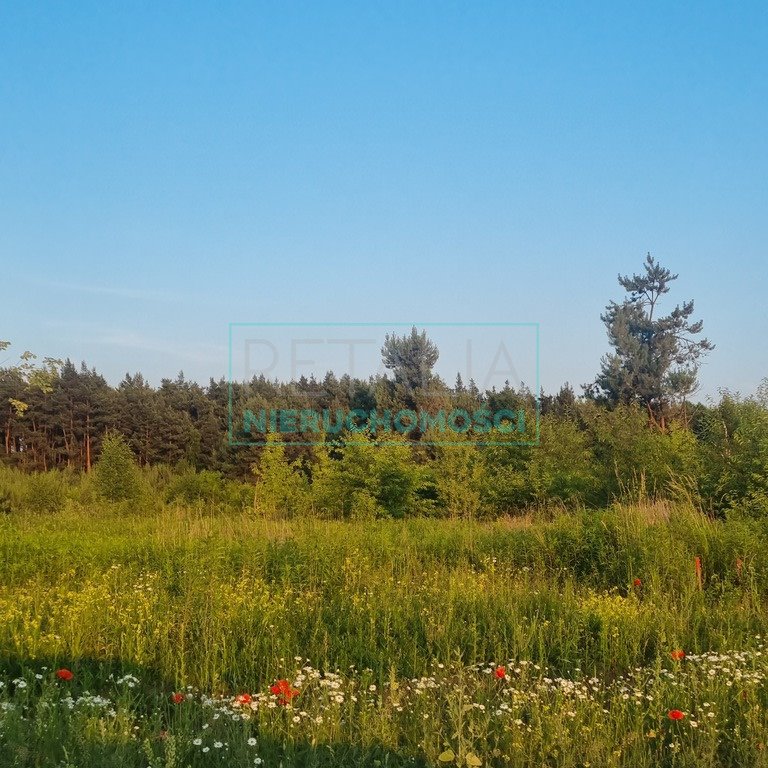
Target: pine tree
[411,358]
[655,359]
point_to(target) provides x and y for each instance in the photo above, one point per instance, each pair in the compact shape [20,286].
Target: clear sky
[169,168]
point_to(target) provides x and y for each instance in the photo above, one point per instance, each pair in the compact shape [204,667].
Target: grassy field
[196,639]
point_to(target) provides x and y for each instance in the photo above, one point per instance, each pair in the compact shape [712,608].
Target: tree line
[631,432]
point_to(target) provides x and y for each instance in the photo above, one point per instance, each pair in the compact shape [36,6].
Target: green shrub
[282,489]
[44,492]
[562,467]
[459,475]
[194,486]
[370,480]
[117,475]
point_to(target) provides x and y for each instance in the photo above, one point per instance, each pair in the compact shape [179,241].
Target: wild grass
[425,611]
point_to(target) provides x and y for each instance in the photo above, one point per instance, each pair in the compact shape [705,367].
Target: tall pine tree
[655,358]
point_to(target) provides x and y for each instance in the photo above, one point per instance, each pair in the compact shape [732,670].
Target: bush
[192,486]
[282,489]
[562,468]
[733,443]
[44,492]
[370,480]
[117,475]
[207,487]
[459,475]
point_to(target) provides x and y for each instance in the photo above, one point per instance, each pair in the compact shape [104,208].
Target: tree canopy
[655,358]
[411,358]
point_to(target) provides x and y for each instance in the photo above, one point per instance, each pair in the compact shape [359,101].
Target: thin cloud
[196,353]
[138,294]
[120,338]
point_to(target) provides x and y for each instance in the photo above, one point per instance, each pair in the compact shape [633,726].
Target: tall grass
[225,603]
[219,600]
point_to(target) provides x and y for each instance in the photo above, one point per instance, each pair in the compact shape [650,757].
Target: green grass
[220,605]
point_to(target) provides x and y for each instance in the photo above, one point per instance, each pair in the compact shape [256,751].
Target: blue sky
[169,168]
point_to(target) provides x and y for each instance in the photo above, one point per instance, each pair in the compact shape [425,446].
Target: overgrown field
[196,639]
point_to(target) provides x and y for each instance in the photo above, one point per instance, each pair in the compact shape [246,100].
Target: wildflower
[500,672]
[251,742]
[638,583]
[177,698]
[676,714]
[64,674]
[284,691]
[677,655]
[243,698]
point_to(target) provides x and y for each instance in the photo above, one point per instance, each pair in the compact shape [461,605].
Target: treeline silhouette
[589,453]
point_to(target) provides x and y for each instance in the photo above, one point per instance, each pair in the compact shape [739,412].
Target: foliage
[734,440]
[655,358]
[368,480]
[459,476]
[590,452]
[117,476]
[637,462]
[44,492]
[31,376]
[282,488]
[563,468]
[411,357]
[189,487]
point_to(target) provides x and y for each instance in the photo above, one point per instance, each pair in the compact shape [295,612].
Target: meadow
[629,636]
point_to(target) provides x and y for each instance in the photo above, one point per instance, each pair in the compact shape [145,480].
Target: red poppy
[638,583]
[678,654]
[243,698]
[177,698]
[500,672]
[64,674]
[284,691]
[676,714]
